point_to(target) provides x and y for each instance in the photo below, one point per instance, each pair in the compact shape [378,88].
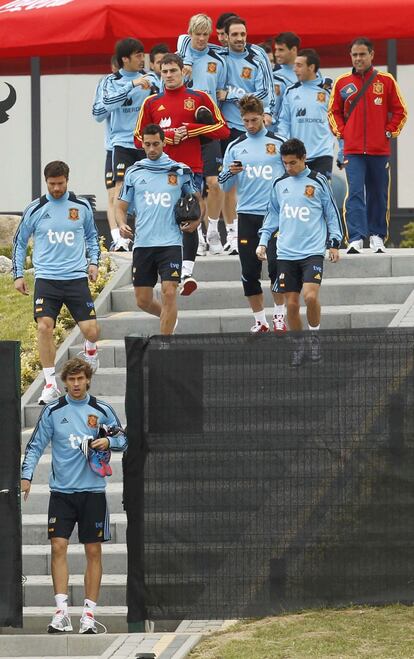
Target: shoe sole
[188,288]
[53,630]
[88,631]
[353,251]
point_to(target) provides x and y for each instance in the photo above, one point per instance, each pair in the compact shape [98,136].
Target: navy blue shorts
[51,294]
[88,509]
[291,275]
[149,262]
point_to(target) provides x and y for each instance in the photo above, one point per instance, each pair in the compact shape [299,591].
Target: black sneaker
[298,354]
[315,347]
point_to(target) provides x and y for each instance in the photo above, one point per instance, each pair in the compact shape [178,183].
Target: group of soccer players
[215,110]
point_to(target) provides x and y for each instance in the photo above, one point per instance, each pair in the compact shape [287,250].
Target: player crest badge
[211,67]
[378,88]
[271,149]
[321,97]
[189,104]
[246,73]
[92,421]
[172,179]
[309,191]
[73,214]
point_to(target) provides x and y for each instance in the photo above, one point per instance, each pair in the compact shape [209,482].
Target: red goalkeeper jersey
[174,108]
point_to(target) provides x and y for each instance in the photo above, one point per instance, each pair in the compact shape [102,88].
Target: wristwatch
[388,134]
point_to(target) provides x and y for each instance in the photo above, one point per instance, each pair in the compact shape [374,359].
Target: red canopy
[85,27]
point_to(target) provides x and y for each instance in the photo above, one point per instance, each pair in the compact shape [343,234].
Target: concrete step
[58,645]
[111,353]
[36,558]
[32,411]
[34,528]
[222,295]
[117,326]
[38,590]
[39,498]
[37,618]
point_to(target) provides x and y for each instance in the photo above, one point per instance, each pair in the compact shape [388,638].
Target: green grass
[16,311]
[360,632]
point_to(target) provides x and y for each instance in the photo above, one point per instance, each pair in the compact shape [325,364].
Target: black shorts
[50,294]
[124,158]
[149,262]
[291,275]
[109,172]
[88,509]
[212,158]
[323,165]
[234,134]
[248,240]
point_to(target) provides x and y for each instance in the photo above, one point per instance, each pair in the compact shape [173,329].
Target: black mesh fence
[11,599]
[253,487]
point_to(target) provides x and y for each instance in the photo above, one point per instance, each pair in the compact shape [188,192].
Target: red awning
[83,27]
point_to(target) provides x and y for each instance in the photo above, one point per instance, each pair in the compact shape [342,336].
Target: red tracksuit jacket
[173,108]
[381,109]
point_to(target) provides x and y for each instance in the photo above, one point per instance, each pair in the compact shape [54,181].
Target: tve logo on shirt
[158,199]
[59,237]
[259,171]
[296,212]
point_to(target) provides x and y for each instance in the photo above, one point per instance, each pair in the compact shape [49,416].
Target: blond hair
[200,23]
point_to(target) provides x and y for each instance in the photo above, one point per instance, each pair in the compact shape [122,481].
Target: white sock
[229,227]
[187,268]
[260,316]
[89,605]
[50,376]
[115,235]
[61,602]
[279,310]
[313,329]
[90,347]
[201,238]
[212,224]
[235,224]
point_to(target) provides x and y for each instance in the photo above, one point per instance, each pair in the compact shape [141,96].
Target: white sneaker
[87,623]
[122,245]
[60,623]
[188,285]
[355,247]
[92,360]
[214,243]
[279,325]
[49,394]
[376,243]
[202,248]
[259,327]
[231,247]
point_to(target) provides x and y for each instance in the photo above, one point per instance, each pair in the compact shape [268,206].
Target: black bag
[187,209]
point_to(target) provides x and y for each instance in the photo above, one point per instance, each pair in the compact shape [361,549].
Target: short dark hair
[172,58]
[312,57]
[154,129]
[290,39]
[126,47]
[222,19]
[74,366]
[56,168]
[363,41]
[250,103]
[157,49]
[233,20]
[114,61]
[293,147]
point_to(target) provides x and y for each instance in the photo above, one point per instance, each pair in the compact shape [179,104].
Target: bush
[408,234]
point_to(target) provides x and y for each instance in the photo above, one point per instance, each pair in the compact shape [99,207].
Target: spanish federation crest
[321,97]
[189,104]
[246,73]
[277,90]
[211,67]
[172,179]
[92,421]
[271,148]
[309,190]
[73,214]
[378,88]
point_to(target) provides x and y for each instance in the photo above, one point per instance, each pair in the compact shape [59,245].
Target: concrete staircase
[360,291]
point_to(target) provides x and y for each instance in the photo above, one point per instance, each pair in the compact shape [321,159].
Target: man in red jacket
[366,110]
[177,111]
